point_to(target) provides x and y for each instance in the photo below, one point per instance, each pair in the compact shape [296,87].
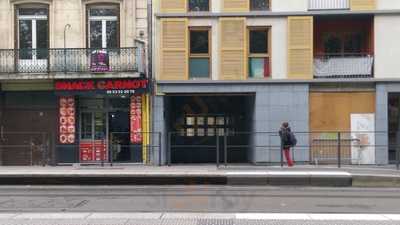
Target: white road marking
[247,173]
[52,216]
[271,216]
[124,216]
[241,216]
[349,217]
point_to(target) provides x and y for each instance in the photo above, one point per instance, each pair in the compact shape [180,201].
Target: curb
[360,180]
[233,179]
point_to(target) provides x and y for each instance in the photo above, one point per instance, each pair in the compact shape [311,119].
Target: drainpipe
[150,74]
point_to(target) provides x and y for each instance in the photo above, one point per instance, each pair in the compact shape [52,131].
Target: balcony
[328,4]
[72,61]
[343,66]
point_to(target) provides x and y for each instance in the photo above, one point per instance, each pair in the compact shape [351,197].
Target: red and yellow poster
[67,120]
[136,119]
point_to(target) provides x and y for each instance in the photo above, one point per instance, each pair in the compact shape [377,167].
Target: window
[199,5]
[344,43]
[206,126]
[33,33]
[199,62]
[259,5]
[259,56]
[103,26]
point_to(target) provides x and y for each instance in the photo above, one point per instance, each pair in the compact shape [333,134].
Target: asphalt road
[199,199]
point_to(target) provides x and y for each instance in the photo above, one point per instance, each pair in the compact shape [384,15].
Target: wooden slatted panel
[235,5]
[330,111]
[300,47]
[173,6]
[363,4]
[233,49]
[174,49]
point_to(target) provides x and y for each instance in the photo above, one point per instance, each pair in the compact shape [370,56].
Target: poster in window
[99,61]
[363,138]
[136,119]
[67,120]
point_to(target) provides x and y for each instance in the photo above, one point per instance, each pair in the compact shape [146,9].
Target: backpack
[292,139]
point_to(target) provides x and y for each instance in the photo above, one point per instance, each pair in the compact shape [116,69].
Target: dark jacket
[284,135]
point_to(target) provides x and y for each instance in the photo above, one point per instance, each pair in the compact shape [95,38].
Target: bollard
[169,149]
[159,149]
[281,153]
[217,150]
[398,158]
[225,150]
[339,151]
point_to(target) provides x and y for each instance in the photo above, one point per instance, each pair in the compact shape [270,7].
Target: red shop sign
[103,86]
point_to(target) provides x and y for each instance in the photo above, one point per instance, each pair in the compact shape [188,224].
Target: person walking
[288,140]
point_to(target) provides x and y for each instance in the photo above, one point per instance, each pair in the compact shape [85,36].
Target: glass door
[93,139]
[119,131]
[33,39]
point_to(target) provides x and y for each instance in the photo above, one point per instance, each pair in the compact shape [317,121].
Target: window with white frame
[32,32]
[103,26]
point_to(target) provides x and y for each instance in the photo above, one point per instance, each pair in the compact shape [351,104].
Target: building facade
[232,71]
[73,81]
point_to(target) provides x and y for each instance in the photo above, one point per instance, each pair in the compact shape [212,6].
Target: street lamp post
[67,26]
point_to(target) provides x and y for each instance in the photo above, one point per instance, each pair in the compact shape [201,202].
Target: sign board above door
[102,86]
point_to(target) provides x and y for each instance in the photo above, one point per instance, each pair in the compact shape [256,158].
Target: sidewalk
[304,175]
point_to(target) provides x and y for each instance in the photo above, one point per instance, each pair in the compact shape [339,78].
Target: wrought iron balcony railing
[72,60]
[349,65]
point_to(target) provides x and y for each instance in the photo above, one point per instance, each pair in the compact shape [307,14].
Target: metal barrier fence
[25,149]
[118,148]
[260,148]
[71,60]
[35,148]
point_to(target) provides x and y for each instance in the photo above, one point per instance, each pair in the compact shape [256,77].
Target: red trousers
[289,161]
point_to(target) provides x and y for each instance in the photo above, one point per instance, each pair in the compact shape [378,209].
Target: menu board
[67,120]
[93,151]
[136,119]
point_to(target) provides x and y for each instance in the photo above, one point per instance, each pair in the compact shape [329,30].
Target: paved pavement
[195,199]
[385,176]
[197,205]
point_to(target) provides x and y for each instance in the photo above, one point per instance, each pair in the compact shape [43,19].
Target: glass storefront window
[99,125]
[86,126]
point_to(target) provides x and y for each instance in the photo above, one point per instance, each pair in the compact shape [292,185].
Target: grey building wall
[382,120]
[274,104]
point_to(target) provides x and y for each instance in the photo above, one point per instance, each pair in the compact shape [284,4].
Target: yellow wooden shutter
[235,5]
[300,47]
[233,49]
[173,6]
[174,49]
[363,4]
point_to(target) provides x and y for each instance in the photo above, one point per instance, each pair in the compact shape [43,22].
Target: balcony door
[33,36]
[103,27]
[103,37]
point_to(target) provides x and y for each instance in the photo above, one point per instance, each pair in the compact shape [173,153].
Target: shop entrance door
[119,136]
[93,139]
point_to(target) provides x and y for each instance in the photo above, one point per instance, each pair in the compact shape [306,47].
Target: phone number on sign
[111,92]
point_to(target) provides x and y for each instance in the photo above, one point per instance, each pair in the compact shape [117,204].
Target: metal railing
[76,60]
[25,149]
[343,65]
[328,4]
[264,148]
[117,149]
